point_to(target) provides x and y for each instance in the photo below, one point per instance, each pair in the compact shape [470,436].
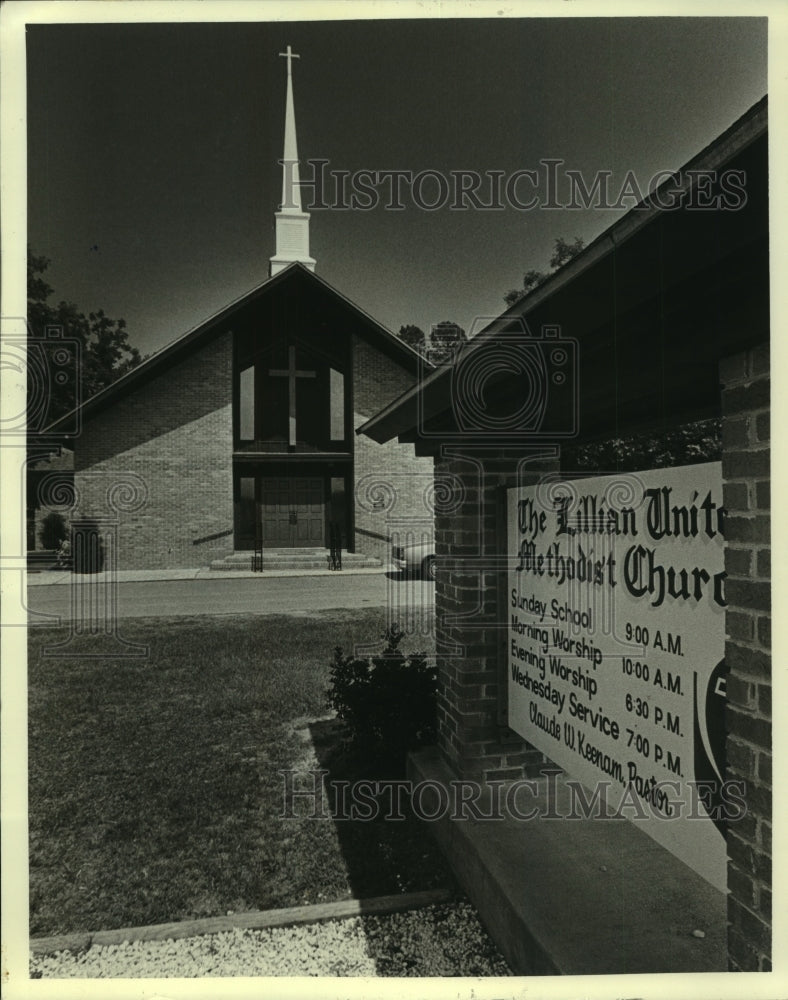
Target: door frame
[292,480]
[324,471]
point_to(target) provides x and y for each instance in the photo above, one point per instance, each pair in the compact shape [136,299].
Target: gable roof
[211,327]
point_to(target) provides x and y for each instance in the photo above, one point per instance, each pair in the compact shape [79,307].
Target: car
[415,558]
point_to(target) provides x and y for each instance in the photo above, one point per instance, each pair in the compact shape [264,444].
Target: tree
[413,336]
[530,280]
[563,251]
[104,348]
[445,340]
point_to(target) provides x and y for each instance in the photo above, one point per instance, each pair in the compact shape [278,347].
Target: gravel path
[440,940]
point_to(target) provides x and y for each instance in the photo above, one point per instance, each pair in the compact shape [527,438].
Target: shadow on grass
[392,850]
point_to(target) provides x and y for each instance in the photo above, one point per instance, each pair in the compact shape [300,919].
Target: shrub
[699,441]
[53,530]
[388,703]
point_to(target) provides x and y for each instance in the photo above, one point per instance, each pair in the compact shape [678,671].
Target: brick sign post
[746,492]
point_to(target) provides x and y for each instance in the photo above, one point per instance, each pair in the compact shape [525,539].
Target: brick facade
[745,469]
[471,737]
[393,486]
[172,437]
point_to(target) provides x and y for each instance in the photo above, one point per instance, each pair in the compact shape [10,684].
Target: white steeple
[292,225]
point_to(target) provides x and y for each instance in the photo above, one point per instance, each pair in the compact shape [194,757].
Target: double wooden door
[280,511]
[292,511]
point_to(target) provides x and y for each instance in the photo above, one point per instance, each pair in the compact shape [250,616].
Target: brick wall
[470,737]
[174,434]
[393,485]
[476,746]
[745,470]
[173,437]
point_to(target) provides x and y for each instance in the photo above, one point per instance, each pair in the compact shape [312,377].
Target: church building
[241,433]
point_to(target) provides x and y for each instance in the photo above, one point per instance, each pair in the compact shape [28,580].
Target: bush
[389,703]
[53,531]
[700,441]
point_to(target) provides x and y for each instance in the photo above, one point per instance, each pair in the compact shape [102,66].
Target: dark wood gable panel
[295,295]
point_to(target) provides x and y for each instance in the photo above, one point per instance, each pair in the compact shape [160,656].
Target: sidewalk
[49,577]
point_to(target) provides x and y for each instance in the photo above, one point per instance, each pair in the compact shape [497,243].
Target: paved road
[261,596]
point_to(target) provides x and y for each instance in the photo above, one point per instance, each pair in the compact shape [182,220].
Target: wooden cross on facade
[291,373]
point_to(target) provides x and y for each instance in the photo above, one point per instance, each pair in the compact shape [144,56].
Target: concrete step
[43,559]
[311,558]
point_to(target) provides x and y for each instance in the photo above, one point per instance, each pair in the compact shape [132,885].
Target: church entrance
[283,509]
[292,512]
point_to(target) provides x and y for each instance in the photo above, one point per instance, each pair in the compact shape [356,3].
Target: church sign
[615,647]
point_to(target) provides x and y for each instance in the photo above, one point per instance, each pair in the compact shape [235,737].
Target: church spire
[292,224]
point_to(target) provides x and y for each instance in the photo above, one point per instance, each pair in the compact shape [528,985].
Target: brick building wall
[171,438]
[393,486]
[745,470]
[475,745]
[471,737]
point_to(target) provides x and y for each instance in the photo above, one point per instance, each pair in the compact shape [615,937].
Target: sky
[152,149]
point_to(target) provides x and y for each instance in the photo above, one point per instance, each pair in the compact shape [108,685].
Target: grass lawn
[153,785]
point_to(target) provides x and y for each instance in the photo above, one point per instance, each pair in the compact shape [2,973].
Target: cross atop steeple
[292,224]
[289,55]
